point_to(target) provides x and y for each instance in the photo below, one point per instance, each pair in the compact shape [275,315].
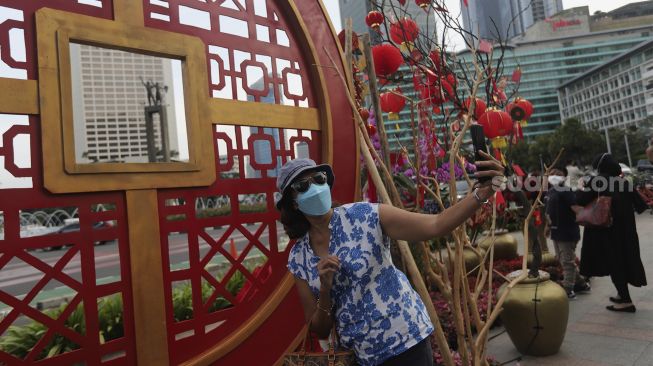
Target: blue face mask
[316,201]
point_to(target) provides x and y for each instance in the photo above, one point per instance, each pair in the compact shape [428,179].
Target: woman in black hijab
[614,250]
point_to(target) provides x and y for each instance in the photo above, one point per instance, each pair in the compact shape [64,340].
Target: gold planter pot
[548,259]
[535,315]
[505,245]
[471,258]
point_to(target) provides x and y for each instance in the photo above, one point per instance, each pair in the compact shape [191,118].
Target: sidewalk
[596,336]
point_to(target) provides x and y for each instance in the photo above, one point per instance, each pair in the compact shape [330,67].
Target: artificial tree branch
[413,271]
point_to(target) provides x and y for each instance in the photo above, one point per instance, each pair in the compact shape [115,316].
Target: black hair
[294,222]
[606,165]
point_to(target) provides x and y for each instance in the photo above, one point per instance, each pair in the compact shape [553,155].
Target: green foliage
[580,144]
[110,318]
[637,141]
[222,211]
[21,339]
[182,296]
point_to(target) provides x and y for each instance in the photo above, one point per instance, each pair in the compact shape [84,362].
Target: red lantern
[436,58]
[424,4]
[374,19]
[354,40]
[402,2]
[479,107]
[392,103]
[520,110]
[496,124]
[364,113]
[371,129]
[387,59]
[404,31]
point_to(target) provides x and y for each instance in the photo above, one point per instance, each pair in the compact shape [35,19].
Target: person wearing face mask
[343,269]
[564,231]
[613,251]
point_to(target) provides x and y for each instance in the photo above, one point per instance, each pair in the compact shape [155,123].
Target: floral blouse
[377,313]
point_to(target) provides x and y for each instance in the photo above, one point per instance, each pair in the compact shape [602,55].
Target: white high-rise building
[109,100]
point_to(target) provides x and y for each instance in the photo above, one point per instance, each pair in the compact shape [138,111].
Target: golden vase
[535,315]
[505,245]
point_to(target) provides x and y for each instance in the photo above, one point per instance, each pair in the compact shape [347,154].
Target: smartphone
[478,140]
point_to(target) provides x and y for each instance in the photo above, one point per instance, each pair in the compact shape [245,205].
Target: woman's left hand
[493,169]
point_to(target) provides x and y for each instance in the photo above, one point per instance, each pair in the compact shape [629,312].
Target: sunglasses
[303,185]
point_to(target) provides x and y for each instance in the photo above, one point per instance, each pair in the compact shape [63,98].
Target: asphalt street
[18,278]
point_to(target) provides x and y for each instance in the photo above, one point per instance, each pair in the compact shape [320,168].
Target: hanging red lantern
[404,31]
[437,59]
[387,59]
[479,107]
[520,110]
[354,40]
[374,19]
[402,2]
[371,129]
[392,103]
[364,113]
[496,124]
[424,4]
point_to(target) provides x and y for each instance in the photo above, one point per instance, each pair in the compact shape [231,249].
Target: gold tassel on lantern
[407,47]
[523,123]
[393,116]
[499,142]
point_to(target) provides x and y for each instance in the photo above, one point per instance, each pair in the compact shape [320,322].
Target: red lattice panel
[253,54]
[26,272]
[243,173]
[246,39]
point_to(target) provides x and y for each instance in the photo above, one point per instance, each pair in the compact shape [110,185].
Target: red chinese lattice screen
[224,251]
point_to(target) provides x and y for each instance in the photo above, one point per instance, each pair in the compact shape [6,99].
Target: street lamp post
[607,140]
[630,162]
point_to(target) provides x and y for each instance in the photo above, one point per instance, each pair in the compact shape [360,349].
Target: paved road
[596,336]
[18,278]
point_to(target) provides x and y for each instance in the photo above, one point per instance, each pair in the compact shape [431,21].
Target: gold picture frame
[62,173]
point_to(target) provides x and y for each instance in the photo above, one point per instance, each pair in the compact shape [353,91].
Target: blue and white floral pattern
[378,314]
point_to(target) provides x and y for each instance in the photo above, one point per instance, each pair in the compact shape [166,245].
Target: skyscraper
[109,100]
[505,19]
[357,10]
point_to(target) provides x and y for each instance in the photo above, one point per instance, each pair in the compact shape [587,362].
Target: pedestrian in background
[573,174]
[613,251]
[564,231]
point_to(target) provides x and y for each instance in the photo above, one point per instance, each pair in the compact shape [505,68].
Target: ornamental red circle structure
[479,107]
[354,40]
[365,114]
[387,59]
[520,110]
[191,246]
[405,30]
[374,19]
[424,4]
[496,123]
[392,102]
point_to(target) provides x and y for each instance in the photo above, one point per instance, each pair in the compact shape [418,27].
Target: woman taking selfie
[342,265]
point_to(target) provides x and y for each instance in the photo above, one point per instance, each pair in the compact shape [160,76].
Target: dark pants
[621,284]
[420,354]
